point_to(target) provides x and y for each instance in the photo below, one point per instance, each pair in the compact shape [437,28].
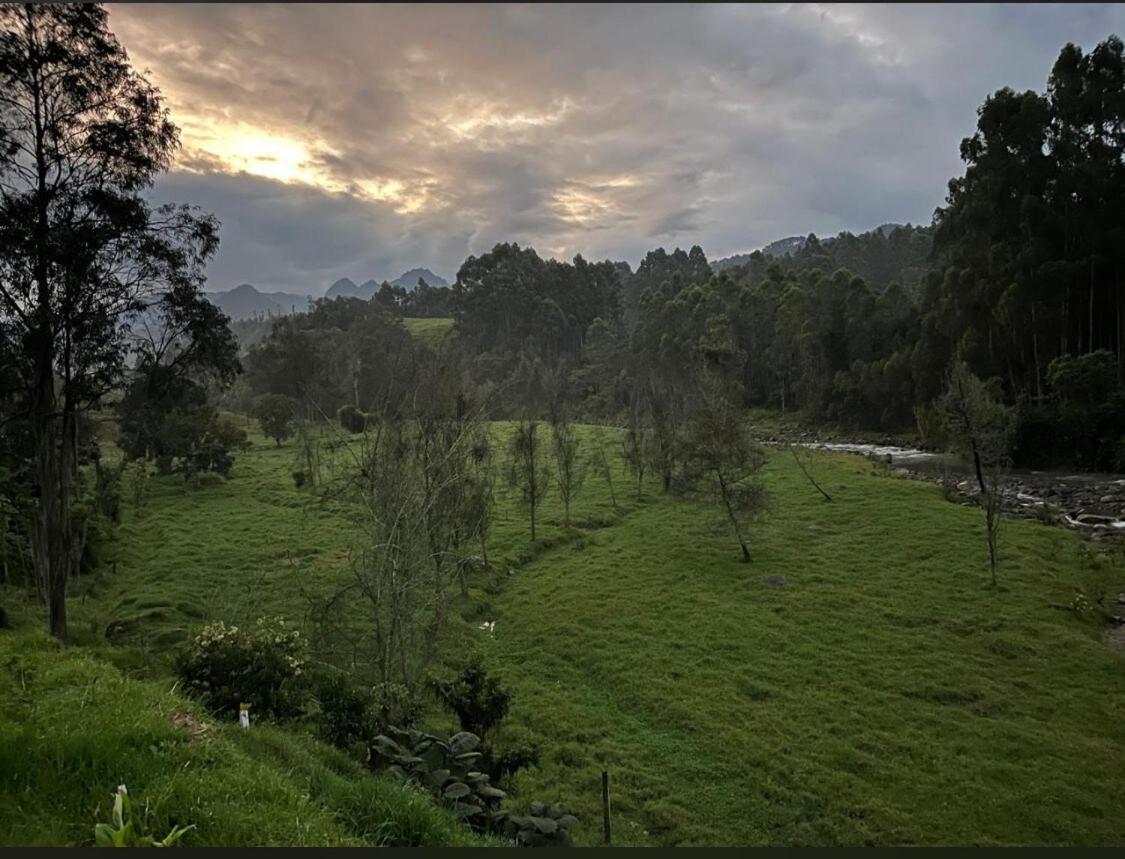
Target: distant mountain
[246,302]
[781,248]
[785,247]
[410,279]
[345,288]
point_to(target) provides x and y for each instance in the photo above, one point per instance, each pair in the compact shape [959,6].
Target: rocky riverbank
[1091,503]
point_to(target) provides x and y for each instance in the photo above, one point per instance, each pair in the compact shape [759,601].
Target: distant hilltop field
[248,302]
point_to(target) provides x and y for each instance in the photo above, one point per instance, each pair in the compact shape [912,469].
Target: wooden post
[605,807]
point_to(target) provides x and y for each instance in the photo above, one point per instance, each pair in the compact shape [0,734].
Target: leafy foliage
[542,826]
[446,768]
[478,700]
[88,268]
[226,666]
[274,414]
[351,418]
[123,830]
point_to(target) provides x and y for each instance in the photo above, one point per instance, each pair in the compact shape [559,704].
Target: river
[1087,501]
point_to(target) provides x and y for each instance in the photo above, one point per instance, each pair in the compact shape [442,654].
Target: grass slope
[885,695]
[430,331]
[74,726]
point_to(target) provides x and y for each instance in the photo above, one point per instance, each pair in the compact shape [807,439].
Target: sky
[364,140]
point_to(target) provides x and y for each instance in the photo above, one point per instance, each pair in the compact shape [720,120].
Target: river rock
[1093,519]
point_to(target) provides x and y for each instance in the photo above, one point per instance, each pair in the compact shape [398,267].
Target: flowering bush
[225,666]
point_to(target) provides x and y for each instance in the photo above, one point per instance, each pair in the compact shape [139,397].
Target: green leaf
[545,825]
[463,742]
[103,835]
[457,790]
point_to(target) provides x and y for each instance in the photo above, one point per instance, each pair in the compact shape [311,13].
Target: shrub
[226,665]
[346,711]
[395,704]
[348,714]
[274,414]
[479,701]
[351,418]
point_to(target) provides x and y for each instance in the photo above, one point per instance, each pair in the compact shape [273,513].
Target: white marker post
[244,715]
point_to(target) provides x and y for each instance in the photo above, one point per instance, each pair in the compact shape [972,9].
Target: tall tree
[721,459]
[82,254]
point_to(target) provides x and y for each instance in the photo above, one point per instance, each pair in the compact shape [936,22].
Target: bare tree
[529,469]
[980,425]
[415,475]
[634,444]
[570,471]
[808,474]
[720,458]
[602,463]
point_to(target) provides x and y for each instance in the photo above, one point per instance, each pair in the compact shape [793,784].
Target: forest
[467,557]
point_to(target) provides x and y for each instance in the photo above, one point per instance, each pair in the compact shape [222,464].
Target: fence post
[605,807]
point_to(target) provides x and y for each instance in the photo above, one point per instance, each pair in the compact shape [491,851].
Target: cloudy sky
[361,141]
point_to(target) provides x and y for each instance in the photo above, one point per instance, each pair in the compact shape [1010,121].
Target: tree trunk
[53,472]
[733,519]
[1090,343]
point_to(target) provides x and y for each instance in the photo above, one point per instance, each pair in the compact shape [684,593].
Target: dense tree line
[888,256]
[343,351]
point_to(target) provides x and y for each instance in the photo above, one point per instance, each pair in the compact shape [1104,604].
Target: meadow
[858,683]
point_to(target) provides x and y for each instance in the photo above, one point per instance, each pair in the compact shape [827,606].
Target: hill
[346,288]
[247,302]
[409,280]
[843,688]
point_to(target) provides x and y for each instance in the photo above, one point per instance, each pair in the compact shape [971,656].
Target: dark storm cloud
[399,136]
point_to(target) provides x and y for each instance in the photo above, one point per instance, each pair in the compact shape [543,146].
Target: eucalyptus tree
[83,254]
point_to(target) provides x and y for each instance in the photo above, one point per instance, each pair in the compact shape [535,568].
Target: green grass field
[884,695]
[431,332]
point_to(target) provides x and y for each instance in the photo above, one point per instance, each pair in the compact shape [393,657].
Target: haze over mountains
[248,302]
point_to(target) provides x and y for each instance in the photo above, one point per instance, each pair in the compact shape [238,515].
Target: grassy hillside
[74,725]
[430,331]
[883,694]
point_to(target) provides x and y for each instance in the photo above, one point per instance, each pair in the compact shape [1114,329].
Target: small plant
[124,830]
[543,826]
[1081,605]
[226,666]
